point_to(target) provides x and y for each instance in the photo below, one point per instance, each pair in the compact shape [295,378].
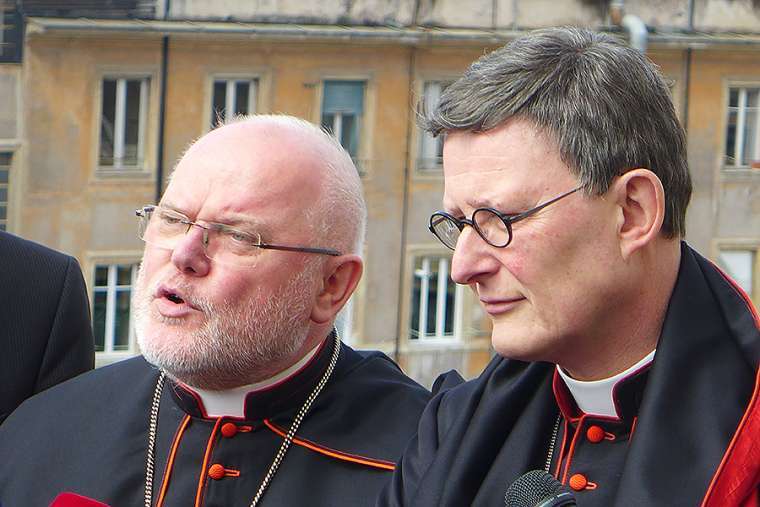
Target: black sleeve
[70,347]
[419,454]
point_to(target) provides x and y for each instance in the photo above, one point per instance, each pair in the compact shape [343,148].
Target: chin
[513,342]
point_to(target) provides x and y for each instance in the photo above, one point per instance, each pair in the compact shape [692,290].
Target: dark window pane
[733,97]
[241,97]
[101,276]
[731,139]
[415,317]
[3,194]
[5,158]
[107,122]
[3,212]
[124,275]
[752,94]
[132,127]
[349,138]
[218,103]
[328,120]
[2,227]
[121,321]
[432,298]
[99,319]
[3,176]
[450,292]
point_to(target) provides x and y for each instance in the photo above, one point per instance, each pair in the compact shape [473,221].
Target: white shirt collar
[231,402]
[596,397]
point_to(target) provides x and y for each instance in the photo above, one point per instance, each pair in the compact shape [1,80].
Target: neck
[633,329]
[231,402]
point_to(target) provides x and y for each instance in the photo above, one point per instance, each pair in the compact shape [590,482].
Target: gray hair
[606,106]
[341,215]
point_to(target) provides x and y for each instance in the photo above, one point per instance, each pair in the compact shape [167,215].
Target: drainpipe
[636,28]
[162,110]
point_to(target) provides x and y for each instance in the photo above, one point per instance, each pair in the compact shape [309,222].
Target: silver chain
[552,443]
[149,468]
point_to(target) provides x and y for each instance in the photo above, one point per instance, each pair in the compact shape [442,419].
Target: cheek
[154,260]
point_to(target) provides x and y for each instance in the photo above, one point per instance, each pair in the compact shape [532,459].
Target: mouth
[494,306]
[172,302]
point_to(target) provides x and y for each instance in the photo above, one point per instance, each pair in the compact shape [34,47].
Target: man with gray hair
[627,363]
[244,394]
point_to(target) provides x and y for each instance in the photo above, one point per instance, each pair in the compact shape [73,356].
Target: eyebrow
[233,221]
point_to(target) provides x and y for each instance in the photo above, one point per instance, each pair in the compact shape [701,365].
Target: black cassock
[677,417]
[89,436]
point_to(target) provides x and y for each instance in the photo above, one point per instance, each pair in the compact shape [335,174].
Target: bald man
[244,394]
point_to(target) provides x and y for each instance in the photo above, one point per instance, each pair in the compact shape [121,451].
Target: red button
[578,482]
[216,471]
[229,430]
[595,434]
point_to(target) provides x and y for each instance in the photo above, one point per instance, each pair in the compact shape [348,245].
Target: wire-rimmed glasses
[165,228]
[492,225]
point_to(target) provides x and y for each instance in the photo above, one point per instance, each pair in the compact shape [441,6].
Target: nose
[189,255]
[472,258]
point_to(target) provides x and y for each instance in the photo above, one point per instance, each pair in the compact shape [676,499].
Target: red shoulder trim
[738,476]
[354,458]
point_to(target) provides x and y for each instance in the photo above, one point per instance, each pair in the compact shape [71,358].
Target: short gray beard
[240,340]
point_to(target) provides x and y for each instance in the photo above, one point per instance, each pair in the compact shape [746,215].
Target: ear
[340,277]
[641,200]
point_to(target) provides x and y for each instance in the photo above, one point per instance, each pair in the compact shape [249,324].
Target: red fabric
[738,477]
[74,500]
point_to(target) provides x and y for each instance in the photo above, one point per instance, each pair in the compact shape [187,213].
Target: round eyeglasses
[492,225]
[165,228]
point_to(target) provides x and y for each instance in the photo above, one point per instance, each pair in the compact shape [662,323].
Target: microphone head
[537,488]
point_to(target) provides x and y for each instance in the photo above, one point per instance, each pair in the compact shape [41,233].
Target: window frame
[254,94]
[742,86]
[148,123]
[5,222]
[742,244]
[422,165]
[113,258]
[361,159]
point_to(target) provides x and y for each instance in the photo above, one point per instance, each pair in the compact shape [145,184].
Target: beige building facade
[98,107]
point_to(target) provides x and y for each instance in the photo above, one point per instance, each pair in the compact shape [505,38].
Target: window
[123,122]
[434,298]
[743,128]
[111,316]
[11,32]
[740,265]
[342,108]
[232,97]
[5,169]
[431,148]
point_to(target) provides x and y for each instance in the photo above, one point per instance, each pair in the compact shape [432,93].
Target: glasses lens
[231,246]
[491,227]
[162,227]
[445,229]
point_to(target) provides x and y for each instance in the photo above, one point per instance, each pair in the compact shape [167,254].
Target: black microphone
[538,489]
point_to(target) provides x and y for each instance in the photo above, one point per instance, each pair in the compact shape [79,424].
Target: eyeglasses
[492,225]
[165,228]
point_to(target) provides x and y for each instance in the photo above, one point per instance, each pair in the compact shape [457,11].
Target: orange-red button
[216,471]
[595,434]
[229,430]
[578,482]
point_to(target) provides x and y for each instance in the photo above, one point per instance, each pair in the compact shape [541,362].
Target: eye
[240,236]
[170,218]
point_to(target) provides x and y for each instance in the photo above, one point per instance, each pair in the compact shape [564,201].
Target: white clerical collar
[596,397]
[231,402]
